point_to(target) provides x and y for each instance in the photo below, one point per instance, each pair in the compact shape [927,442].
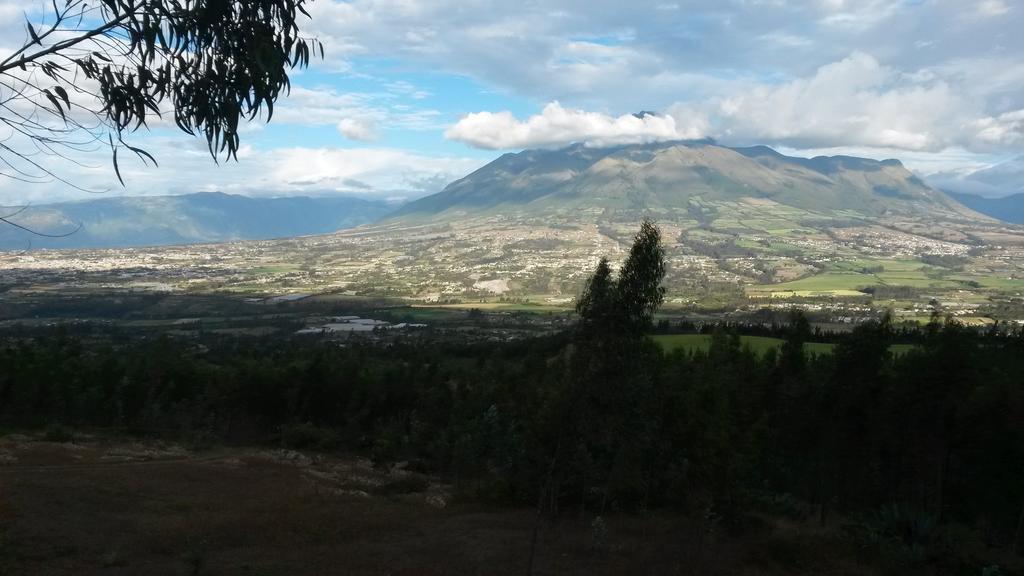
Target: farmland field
[824,282]
[841,279]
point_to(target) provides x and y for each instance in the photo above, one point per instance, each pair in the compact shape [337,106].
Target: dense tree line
[597,418]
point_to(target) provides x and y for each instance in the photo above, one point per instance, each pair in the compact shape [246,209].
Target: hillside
[187,219]
[666,179]
[1008,208]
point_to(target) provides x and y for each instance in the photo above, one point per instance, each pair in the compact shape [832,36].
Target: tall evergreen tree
[639,288]
[597,304]
[609,399]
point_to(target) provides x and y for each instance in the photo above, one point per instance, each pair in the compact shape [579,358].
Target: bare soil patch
[96,506]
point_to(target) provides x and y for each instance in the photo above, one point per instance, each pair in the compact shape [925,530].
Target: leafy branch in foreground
[91,73]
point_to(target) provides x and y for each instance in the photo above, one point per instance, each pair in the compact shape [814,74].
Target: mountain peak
[668,177]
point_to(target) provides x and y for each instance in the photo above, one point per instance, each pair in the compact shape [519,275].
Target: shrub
[899,532]
[309,437]
[58,433]
[599,534]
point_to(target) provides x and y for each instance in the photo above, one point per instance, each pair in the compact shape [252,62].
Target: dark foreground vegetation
[917,459]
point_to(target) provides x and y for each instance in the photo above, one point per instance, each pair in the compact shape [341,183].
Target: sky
[413,94]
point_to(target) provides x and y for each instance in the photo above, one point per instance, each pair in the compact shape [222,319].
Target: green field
[757,344]
[824,282]
[847,278]
[994,282]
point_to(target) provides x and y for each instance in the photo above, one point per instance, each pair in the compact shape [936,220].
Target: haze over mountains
[1008,208]
[1000,180]
[187,219]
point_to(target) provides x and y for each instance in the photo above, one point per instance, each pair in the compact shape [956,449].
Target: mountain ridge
[1007,208]
[201,217]
[670,176]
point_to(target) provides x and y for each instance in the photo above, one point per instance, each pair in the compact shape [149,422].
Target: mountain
[1007,209]
[187,219]
[663,179]
[737,223]
[1003,179]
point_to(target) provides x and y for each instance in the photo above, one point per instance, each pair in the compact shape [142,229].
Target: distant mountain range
[1003,179]
[1007,209]
[683,181]
[679,178]
[187,219]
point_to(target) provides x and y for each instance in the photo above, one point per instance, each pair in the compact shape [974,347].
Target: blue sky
[416,93]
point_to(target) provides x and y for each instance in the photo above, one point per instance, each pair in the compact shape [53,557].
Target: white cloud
[785,39]
[859,15]
[186,166]
[533,48]
[361,129]
[403,88]
[993,7]
[923,163]
[1004,129]
[556,126]
[379,170]
[356,115]
[994,180]
[856,101]
[319,106]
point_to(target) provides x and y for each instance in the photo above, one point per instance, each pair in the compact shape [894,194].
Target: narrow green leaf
[64,95]
[32,33]
[56,103]
[142,154]
[117,169]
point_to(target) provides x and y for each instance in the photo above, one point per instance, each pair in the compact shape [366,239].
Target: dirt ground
[98,506]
